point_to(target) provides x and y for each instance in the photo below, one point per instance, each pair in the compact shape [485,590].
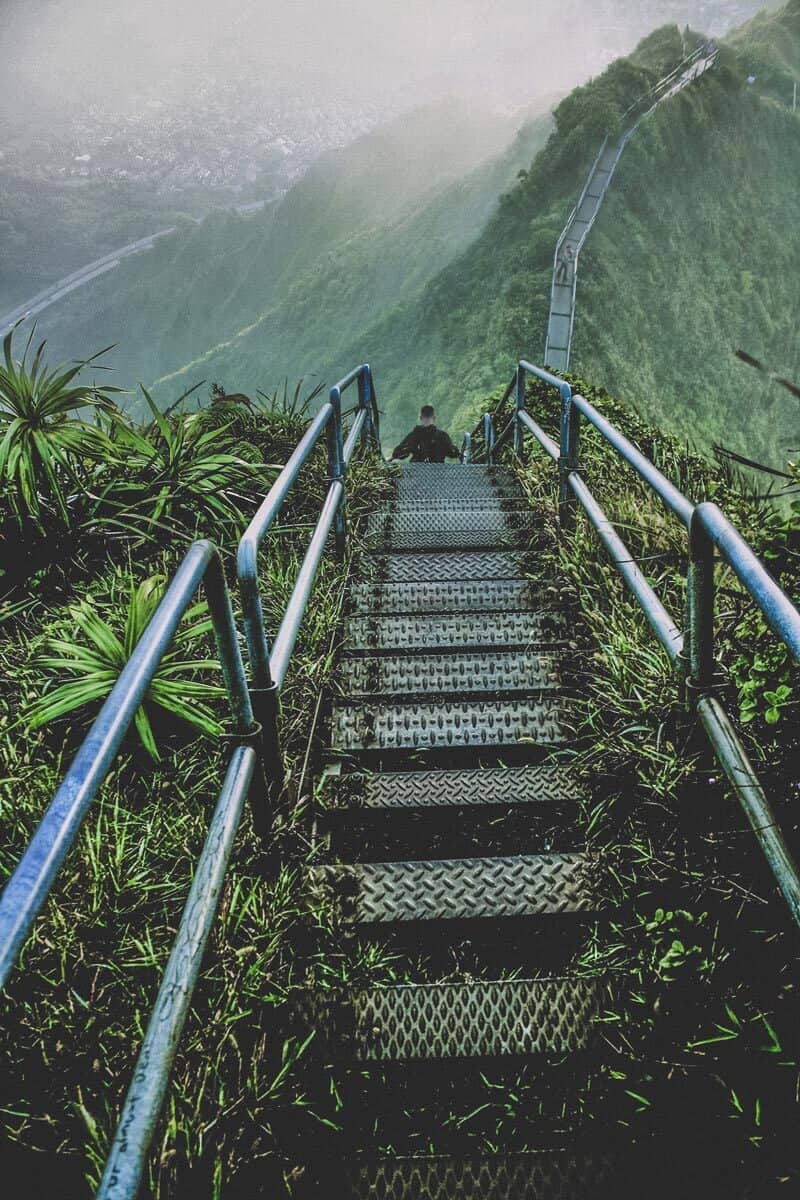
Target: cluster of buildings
[216,136]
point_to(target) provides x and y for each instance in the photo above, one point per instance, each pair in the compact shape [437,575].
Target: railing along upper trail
[561,320]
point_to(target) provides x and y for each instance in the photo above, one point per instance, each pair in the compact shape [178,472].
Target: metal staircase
[450,828]
[561,319]
[431,724]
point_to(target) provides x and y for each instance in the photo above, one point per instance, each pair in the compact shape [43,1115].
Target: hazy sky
[392,49]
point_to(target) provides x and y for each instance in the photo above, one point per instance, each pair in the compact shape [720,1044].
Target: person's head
[426,415]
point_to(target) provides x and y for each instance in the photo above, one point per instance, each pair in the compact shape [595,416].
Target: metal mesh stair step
[458,568]
[447,725]
[473,595]
[459,630]
[423,480]
[459,889]
[481,1019]
[471,788]
[452,528]
[559,1174]
[450,674]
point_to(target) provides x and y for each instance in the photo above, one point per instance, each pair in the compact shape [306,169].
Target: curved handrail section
[254,766]
[36,872]
[268,668]
[708,531]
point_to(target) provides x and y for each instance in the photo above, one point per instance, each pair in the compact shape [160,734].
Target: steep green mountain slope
[358,278]
[692,256]
[208,282]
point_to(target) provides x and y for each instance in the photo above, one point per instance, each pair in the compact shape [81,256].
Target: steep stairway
[455,846]
[561,319]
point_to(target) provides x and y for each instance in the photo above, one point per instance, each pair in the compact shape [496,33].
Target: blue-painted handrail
[708,530]
[30,884]
[268,669]
[257,758]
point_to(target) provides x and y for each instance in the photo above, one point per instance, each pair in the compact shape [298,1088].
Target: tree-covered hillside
[691,258]
[366,225]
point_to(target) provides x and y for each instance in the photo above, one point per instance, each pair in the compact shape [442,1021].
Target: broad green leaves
[88,650]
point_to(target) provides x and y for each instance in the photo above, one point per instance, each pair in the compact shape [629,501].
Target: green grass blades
[94,643]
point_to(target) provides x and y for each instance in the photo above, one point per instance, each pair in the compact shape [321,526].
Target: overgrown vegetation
[76,1009]
[701,1049]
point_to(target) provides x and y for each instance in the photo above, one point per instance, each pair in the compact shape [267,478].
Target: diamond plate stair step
[452,529]
[503,595]
[450,674]
[474,1020]
[447,725]
[459,889]
[460,789]
[459,630]
[533,1175]
[420,481]
[456,568]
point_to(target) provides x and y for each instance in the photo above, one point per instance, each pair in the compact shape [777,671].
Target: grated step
[459,630]
[450,674]
[447,725]
[474,1020]
[532,1175]
[419,481]
[462,888]
[472,596]
[452,528]
[436,789]
[426,568]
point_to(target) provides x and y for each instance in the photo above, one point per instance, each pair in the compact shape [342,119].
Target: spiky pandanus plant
[45,446]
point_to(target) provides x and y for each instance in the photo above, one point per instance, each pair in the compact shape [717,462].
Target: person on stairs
[426,443]
[566,260]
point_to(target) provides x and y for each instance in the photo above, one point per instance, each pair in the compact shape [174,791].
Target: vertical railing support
[519,400]
[369,434]
[336,469]
[700,606]
[568,458]
[488,438]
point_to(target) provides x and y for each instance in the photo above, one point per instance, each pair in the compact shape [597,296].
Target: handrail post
[568,458]
[488,438]
[336,469]
[700,607]
[466,448]
[369,434]
[519,400]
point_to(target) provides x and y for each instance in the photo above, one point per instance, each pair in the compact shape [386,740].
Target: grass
[698,946]
[76,1009]
[699,1036]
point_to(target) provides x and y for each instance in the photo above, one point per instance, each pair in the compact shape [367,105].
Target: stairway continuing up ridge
[565,266]
[455,844]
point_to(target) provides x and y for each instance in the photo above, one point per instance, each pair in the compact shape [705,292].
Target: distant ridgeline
[400,244]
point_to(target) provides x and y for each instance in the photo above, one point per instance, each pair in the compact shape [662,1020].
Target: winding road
[93,270]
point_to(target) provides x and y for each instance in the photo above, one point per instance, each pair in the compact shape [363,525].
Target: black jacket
[426,443]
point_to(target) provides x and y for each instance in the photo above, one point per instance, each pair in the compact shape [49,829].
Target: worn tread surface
[535,1175]
[452,527]
[450,674]
[473,1020]
[435,789]
[449,724]
[457,568]
[463,888]
[504,595]
[420,481]
[460,631]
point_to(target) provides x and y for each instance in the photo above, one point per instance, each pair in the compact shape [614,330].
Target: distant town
[222,136]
